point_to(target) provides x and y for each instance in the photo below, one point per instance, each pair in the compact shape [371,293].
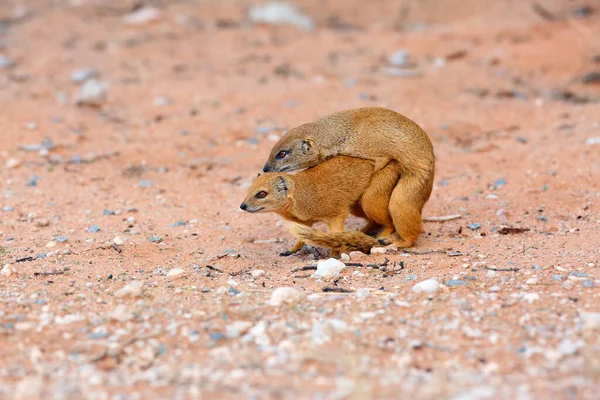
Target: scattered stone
[531,297]
[455,282]
[109,212]
[558,277]
[237,329]
[427,286]
[588,283]
[162,102]
[42,223]
[592,140]
[403,73]
[118,241]
[51,244]
[567,285]
[568,347]
[490,274]
[6,62]
[233,291]
[324,330]
[176,224]
[257,273]
[345,257]
[591,320]
[82,75]
[61,239]
[93,229]
[8,209]
[33,181]
[399,58]
[285,295]
[121,314]
[579,274]
[362,293]
[328,269]
[8,270]
[276,13]
[12,163]
[93,93]
[531,281]
[495,288]
[155,239]
[142,16]
[145,183]
[378,250]
[474,226]
[133,289]
[176,273]
[357,255]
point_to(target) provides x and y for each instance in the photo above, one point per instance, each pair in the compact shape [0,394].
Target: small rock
[8,270]
[176,273]
[93,229]
[378,250]
[490,274]
[403,73]
[568,285]
[92,93]
[427,286]
[8,209]
[145,183]
[155,239]
[276,13]
[257,273]
[51,244]
[474,226]
[558,277]
[42,223]
[567,347]
[237,329]
[6,62]
[142,16]
[531,297]
[162,101]
[592,140]
[455,282]
[12,163]
[328,269]
[399,58]
[82,75]
[495,288]
[591,320]
[362,293]
[133,289]
[588,283]
[118,241]
[531,281]
[344,257]
[61,239]
[357,255]
[323,331]
[287,295]
[121,314]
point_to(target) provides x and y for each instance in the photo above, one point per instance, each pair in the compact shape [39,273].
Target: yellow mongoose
[326,193]
[376,134]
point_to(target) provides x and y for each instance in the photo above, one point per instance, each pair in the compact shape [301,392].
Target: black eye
[261,195]
[281,154]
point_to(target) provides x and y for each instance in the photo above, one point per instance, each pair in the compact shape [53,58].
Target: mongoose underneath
[328,193]
[376,134]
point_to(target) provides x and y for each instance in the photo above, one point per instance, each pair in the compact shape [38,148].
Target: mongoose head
[293,151]
[268,193]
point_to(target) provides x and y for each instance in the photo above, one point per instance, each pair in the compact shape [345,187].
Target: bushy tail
[345,241]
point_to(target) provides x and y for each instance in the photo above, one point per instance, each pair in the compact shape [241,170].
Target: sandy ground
[189,108]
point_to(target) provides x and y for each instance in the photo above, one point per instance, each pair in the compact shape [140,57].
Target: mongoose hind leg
[336,225]
[372,229]
[407,201]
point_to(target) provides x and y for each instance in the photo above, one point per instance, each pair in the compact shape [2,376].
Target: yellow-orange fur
[327,193]
[376,134]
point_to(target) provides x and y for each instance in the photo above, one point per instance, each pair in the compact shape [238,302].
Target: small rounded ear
[305,146]
[281,184]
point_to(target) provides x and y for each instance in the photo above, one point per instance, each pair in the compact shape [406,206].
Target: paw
[383,242]
[286,253]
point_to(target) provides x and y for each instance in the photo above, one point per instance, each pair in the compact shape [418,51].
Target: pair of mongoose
[370,162]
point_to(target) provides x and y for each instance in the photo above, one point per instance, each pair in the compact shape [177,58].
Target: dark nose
[243,206]
[266,168]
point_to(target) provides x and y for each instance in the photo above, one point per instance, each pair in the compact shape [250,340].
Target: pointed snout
[266,168]
[243,206]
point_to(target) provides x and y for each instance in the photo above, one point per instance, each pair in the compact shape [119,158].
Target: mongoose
[376,134]
[327,193]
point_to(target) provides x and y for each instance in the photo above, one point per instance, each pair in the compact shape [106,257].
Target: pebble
[323,331]
[8,270]
[455,282]
[357,255]
[378,250]
[558,277]
[61,239]
[145,183]
[591,320]
[405,73]
[490,274]
[162,101]
[133,289]
[120,313]
[495,288]
[474,226]
[588,283]
[118,241]
[399,58]
[567,347]
[6,62]
[51,244]
[109,212]
[92,93]
[155,239]
[237,329]
[142,16]
[257,273]
[427,286]
[42,223]
[592,141]
[8,209]
[176,273]
[12,163]
[531,297]
[531,281]
[362,293]
[176,224]
[279,13]
[568,285]
[82,75]
[285,295]
[345,257]
[93,229]
[328,269]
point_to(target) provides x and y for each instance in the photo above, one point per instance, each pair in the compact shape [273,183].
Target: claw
[286,253]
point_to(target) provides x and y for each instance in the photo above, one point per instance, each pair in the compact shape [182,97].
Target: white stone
[428,286]
[8,270]
[328,269]
[118,241]
[531,281]
[591,320]
[121,314]
[176,273]
[323,331]
[287,295]
[133,289]
[12,163]
[362,293]
[531,297]
[567,347]
[257,273]
[592,140]
[345,257]
[276,13]
[144,15]
[93,93]
[490,274]
[82,75]
[237,329]
[378,250]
